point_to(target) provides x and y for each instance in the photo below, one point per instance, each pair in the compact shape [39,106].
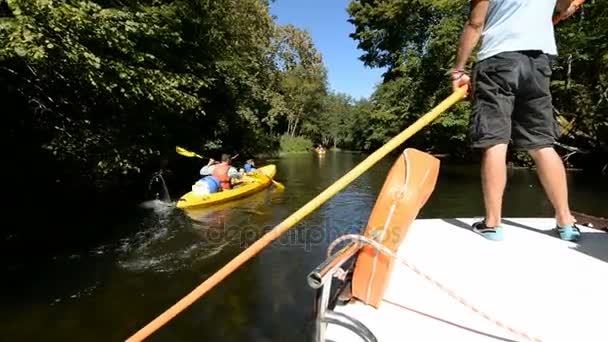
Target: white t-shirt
[208,170]
[513,25]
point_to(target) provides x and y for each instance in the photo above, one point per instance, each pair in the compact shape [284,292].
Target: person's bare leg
[552,174]
[493,182]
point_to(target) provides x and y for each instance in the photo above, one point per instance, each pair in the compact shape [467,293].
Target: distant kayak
[248,185]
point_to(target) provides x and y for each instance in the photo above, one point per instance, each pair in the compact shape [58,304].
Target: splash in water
[161,204]
[166,243]
[158,206]
[157,178]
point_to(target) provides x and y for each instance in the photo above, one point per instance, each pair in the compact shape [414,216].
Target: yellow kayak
[249,184]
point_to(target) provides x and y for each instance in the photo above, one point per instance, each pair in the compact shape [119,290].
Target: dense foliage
[580,85]
[416,40]
[96,93]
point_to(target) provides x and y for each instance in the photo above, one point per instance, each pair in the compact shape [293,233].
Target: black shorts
[512,103]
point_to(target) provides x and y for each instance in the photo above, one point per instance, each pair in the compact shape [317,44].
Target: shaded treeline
[416,41]
[97,94]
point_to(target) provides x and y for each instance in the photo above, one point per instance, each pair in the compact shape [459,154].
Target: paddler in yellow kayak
[225,172]
[208,184]
[249,166]
[215,175]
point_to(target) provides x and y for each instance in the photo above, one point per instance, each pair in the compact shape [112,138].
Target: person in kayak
[208,169]
[249,166]
[225,172]
[208,184]
[512,100]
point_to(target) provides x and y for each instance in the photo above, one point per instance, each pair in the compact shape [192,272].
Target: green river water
[110,291]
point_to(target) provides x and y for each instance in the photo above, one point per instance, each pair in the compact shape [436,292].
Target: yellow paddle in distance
[186,153]
[279,186]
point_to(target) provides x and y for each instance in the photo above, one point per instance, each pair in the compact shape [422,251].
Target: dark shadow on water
[593,244]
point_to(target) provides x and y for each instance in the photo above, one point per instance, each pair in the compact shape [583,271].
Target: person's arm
[562,5]
[206,170]
[468,41]
[566,8]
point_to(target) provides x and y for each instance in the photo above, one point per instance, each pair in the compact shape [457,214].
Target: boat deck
[550,289]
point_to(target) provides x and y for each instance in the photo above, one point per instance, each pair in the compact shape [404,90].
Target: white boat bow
[532,281]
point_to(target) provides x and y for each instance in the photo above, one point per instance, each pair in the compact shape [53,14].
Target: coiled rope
[383,249]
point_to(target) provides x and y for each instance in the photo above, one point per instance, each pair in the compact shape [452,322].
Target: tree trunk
[292,124]
[568,72]
[294,127]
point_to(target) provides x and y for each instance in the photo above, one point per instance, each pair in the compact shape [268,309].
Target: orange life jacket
[220,171]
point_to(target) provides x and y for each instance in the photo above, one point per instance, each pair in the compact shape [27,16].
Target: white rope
[387,251]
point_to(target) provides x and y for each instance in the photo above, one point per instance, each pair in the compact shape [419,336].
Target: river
[110,291]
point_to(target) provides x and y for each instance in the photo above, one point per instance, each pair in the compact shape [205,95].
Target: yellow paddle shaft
[296,217]
[186,153]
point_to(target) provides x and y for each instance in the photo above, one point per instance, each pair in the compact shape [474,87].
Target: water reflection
[109,292]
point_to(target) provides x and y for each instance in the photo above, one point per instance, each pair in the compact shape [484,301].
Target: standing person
[512,102]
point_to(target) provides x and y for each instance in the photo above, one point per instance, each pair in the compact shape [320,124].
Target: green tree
[580,84]
[333,123]
[416,40]
[97,91]
[358,126]
[302,80]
